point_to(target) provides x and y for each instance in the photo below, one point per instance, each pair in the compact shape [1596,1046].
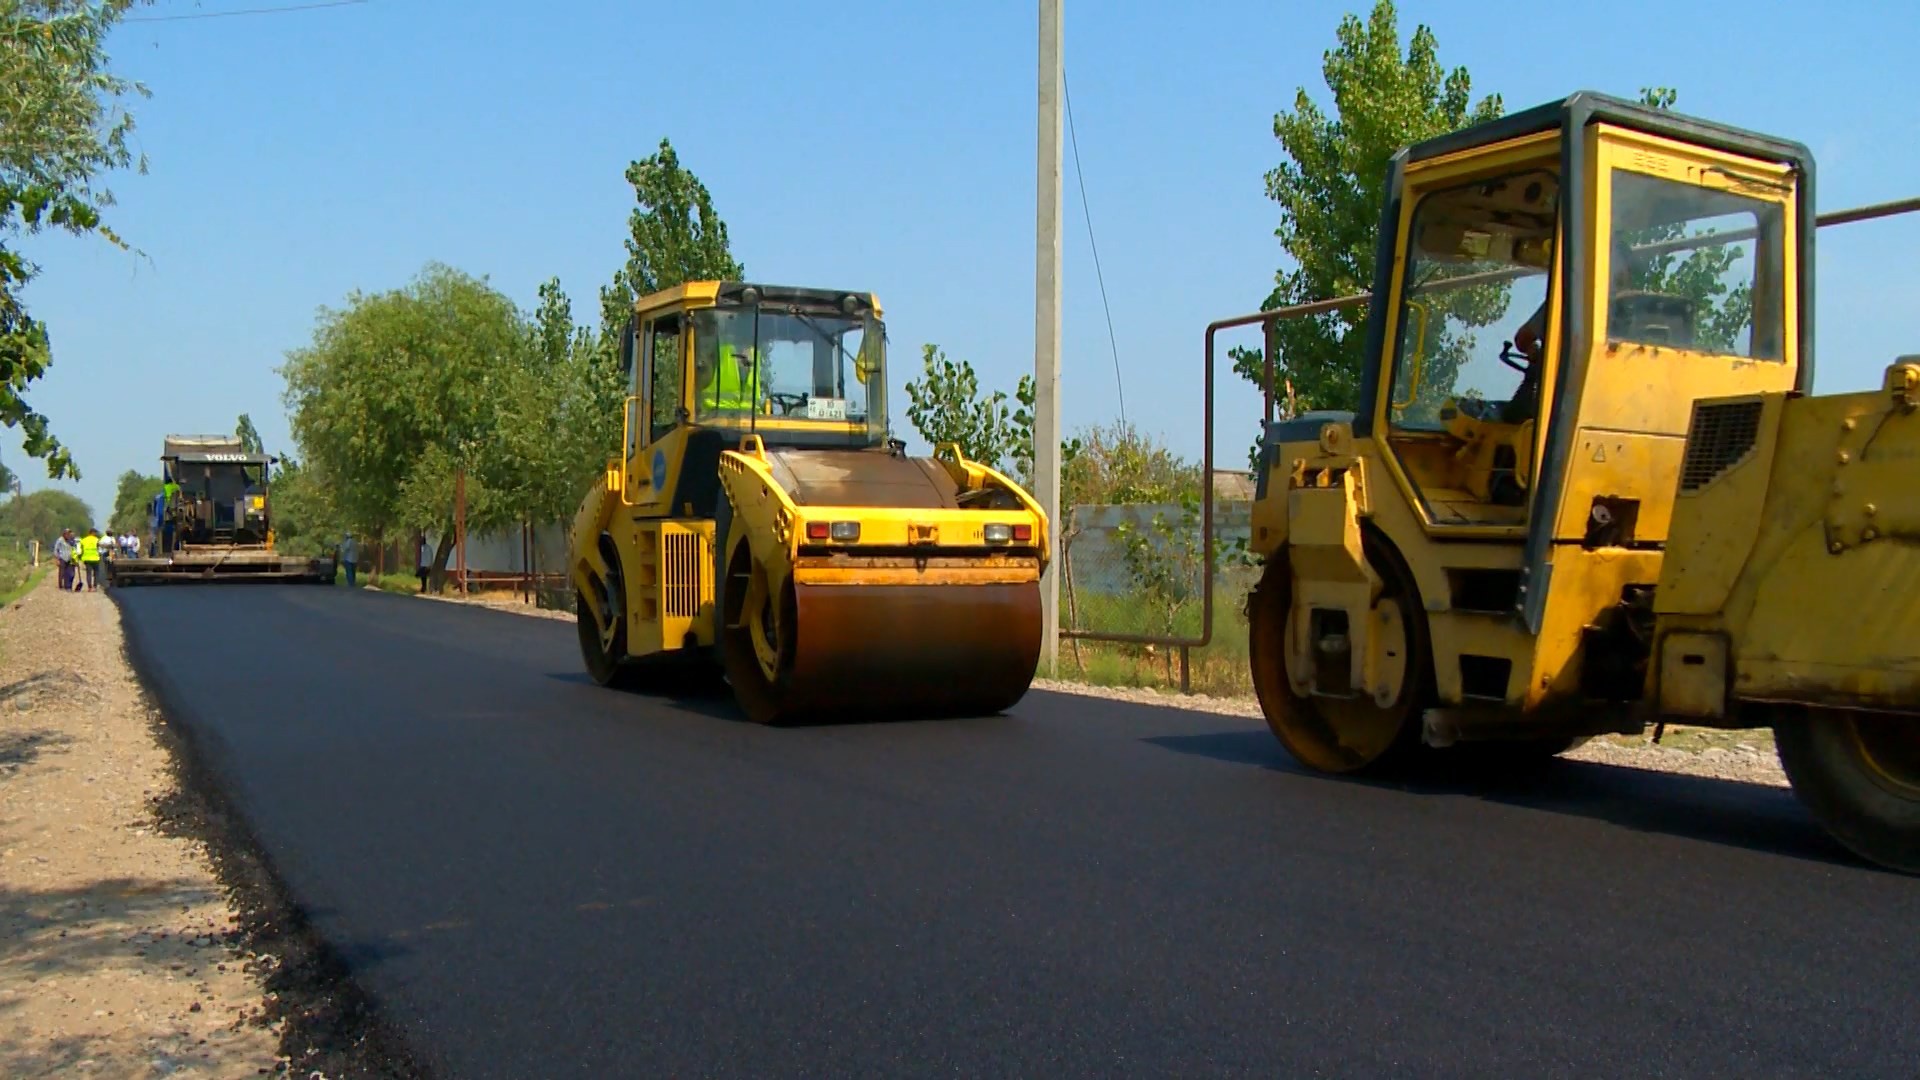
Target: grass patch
[1219,668]
[395,583]
[18,576]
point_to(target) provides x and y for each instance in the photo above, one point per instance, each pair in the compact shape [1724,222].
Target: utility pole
[1046,325]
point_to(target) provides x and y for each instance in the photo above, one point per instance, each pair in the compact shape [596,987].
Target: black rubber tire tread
[605,667]
[1824,765]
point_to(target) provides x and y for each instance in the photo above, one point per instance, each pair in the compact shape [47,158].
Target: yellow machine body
[774,527]
[1654,523]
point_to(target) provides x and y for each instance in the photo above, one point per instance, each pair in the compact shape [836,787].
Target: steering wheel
[1513,358]
[788,402]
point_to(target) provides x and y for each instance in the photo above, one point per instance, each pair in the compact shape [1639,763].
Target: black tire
[1312,729]
[1858,774]
[759,697]
[606,666]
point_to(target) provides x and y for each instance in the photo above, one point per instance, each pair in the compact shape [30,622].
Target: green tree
[305,521]
[40,515]
[1331,186]
[9,480]
[248,435]
[401,392]
[1116,464]
[132,502]
[945,405]
[674,235]
[63,125]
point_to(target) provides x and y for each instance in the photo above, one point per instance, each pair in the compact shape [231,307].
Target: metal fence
[1138,574]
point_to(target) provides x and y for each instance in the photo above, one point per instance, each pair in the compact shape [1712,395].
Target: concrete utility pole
[1046,324]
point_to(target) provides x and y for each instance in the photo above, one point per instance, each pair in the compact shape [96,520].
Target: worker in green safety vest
[734,381]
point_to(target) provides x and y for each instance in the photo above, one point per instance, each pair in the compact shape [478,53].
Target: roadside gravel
[1746,756]
[119,948]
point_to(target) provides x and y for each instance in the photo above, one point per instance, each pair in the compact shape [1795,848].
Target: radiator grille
[680,572]
[1720,436]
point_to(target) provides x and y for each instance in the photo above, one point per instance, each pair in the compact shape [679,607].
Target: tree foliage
[945,405]
[62,127]
[133,502]
[305,521]
[1332,185]
[674,236]
[1117,464]
[400,392]
[40,515]
[248,435]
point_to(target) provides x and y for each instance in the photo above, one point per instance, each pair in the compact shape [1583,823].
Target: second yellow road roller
[760,520]
[1630,512]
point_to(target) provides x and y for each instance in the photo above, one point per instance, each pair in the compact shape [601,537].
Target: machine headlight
[999,534]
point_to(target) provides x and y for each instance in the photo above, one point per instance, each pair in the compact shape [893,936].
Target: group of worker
[78,557]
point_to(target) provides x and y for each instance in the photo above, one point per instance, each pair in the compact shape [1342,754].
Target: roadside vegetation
[18,575]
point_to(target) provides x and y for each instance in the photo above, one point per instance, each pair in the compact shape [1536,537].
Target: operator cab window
[663,355]
[1471,343]
[790,373]
[1694,268]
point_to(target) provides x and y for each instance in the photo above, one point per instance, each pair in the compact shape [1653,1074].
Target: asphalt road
[532,876]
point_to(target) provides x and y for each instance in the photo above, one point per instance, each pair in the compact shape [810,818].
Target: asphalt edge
[331,1026]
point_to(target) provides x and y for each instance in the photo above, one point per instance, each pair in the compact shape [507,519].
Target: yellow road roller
[1588,489]
[761,522]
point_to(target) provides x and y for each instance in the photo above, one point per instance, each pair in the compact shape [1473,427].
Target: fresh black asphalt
[532,876]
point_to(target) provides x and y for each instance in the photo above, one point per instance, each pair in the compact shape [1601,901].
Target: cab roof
[700,294]
[1577,111]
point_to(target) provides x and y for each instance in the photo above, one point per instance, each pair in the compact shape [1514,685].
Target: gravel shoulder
[1745,756]
[142,933]
[120,953]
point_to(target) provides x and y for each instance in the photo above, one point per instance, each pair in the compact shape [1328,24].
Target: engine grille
[1717,440]
[680,572]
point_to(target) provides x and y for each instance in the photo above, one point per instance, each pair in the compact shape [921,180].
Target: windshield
[785,372]
[1474,315]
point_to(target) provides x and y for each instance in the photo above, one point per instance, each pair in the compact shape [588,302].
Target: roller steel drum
[891,652]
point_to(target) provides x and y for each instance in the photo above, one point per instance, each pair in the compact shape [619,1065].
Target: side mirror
[863,364]
[626,348]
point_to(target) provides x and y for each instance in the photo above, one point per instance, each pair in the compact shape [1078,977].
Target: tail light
[841,532]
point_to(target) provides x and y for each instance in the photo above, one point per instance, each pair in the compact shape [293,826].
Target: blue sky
[297,157]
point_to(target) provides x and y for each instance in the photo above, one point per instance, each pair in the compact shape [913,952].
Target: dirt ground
[142,934]
[117,941]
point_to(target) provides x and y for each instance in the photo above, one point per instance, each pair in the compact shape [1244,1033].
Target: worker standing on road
[90,558]
[64,550]
[349,557]
[423,560]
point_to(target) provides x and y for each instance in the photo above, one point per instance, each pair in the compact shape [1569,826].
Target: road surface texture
[533,876]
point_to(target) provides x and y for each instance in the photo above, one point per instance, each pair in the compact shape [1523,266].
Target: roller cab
[760,523]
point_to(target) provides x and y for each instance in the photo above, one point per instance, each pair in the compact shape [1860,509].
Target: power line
[244,11]
[1080,175]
